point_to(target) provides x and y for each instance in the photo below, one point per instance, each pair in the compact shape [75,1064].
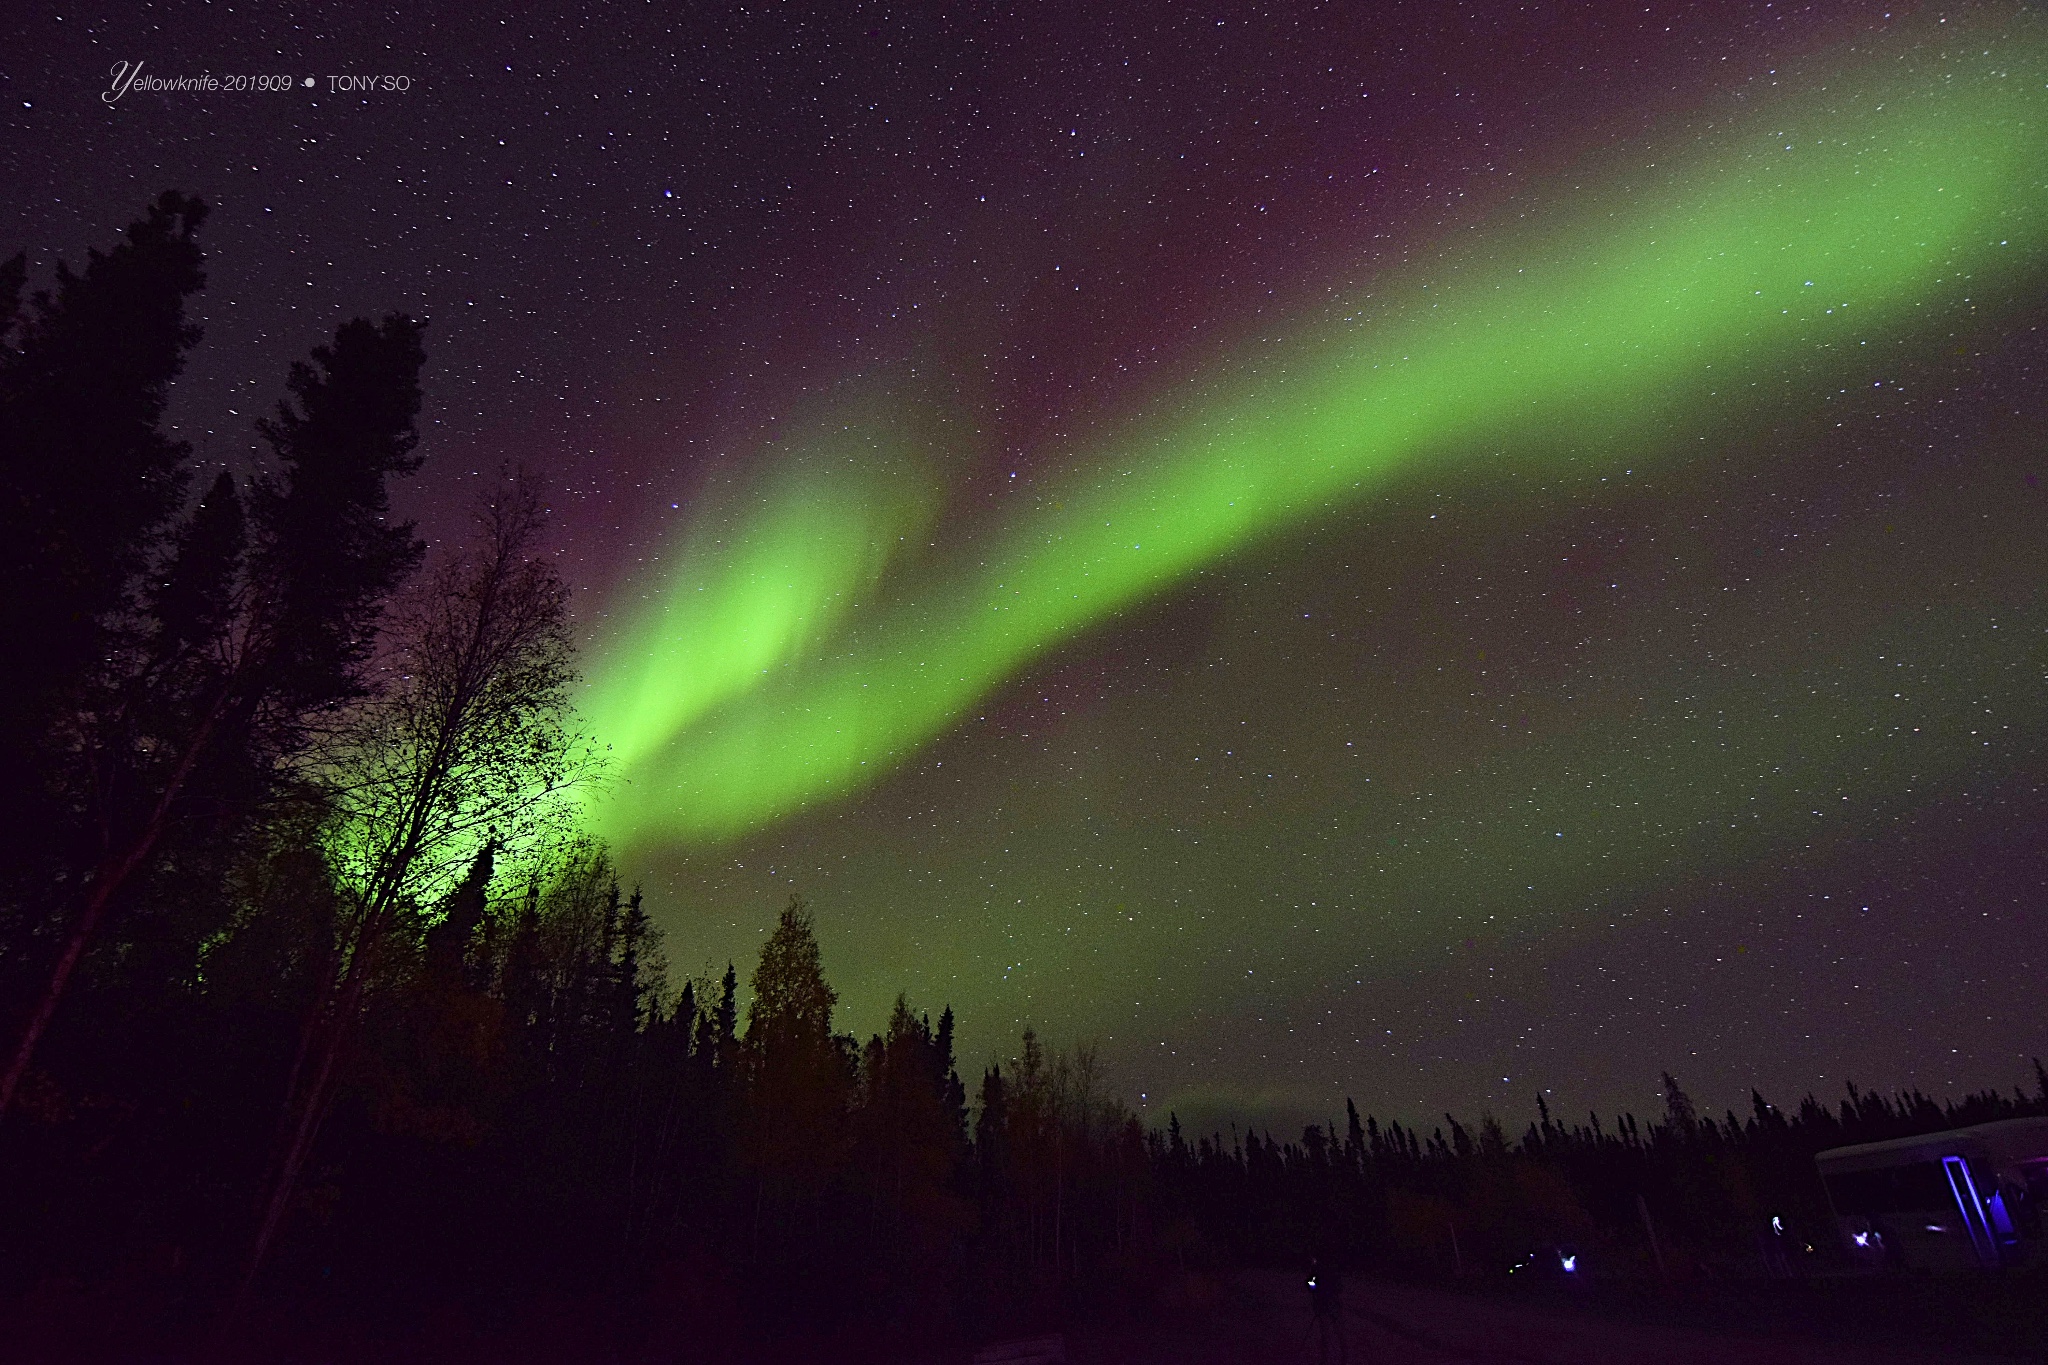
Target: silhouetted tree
[797,1071]
[330,552]
[90,481]
[234,670]
[89,484]
[476,738]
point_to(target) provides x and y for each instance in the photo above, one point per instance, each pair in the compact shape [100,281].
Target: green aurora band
[790,661]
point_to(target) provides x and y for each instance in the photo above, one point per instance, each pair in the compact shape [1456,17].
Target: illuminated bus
[1966,1199]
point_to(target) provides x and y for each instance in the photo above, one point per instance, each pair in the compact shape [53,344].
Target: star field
[1709,740]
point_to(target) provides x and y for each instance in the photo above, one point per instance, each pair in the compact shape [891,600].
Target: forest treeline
[313,992]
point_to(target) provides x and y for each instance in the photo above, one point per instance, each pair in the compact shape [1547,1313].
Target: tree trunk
[312,1112]
[110,877]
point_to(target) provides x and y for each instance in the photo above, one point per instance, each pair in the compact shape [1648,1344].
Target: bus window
[2030,1198]
[1916,1187]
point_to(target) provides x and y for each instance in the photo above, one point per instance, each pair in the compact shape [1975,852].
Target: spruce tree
[324,563]
[793,1003]
[331,554]
[13,278]
[448,942]
[991,1129]
[717,1039]
[953,1094]
[89,483]
[634,983]
[90,480]
[797,1093]
[193,600]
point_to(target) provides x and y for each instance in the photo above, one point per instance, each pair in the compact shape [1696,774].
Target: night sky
[1280,540]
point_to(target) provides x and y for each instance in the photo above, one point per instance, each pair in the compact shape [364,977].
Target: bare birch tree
[471,742]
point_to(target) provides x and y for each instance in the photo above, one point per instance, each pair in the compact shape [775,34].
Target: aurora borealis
[1805,232]
[1425,556]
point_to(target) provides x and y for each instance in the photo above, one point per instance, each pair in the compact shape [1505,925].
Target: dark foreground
[1257,1317]
[1264,1319]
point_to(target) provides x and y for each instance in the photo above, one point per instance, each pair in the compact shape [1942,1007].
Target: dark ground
[1263,1317]
[1257,1317]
